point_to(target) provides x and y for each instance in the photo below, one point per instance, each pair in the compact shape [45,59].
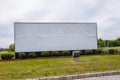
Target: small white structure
[76,55]
[53,36]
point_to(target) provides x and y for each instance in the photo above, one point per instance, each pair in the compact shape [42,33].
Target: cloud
[105,12]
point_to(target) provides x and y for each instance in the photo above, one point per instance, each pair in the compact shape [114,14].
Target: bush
[80,52]
[111,51]
[88,52]
[45,54]
[99,51]
[6,56]
[105,51]
[55,53]
[22,55]
[118,51]
[32,55]
[65,53]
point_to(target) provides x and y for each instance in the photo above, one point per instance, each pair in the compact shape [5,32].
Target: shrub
[55,53]
[88,52]
[111,51]
[45,54]
[118,51]
[32,55]
[80,52]
[22,55]
[105,51]
[65,53]
[6,56]
[99,51]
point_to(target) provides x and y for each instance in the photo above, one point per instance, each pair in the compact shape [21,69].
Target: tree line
[108,43]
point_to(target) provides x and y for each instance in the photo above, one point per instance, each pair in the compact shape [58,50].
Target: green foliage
[81,52]
[118,39]
[22,55]
[111,51]
[118,51]
[99,51]
[88,52]
[45,54]
[7,56]
[101,43]
[114,43]
[105,51]
[108,43]
[32,55]
[55,53]
[11,47]
[2,49]
[65,53]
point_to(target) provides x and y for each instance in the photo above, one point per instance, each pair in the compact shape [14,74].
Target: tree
[12,47]
[101,43]
[118,39]
[109,43]
[2,49]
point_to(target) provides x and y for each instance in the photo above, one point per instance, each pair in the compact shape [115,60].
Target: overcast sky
[105,12]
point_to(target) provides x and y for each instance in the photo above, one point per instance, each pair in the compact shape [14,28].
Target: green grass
[22,69]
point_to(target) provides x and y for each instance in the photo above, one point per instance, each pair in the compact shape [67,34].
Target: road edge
[79,76]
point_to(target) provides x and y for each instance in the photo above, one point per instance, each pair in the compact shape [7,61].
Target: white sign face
[33,37]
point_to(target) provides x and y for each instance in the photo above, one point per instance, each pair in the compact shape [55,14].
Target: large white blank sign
[33,37]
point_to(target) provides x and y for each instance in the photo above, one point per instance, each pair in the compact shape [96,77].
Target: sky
[106,13]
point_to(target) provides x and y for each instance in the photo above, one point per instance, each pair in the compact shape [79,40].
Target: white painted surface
[55,36]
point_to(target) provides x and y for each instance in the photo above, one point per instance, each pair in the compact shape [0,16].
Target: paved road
[114,77]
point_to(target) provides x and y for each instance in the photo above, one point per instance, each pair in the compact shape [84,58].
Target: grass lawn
[22,69]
